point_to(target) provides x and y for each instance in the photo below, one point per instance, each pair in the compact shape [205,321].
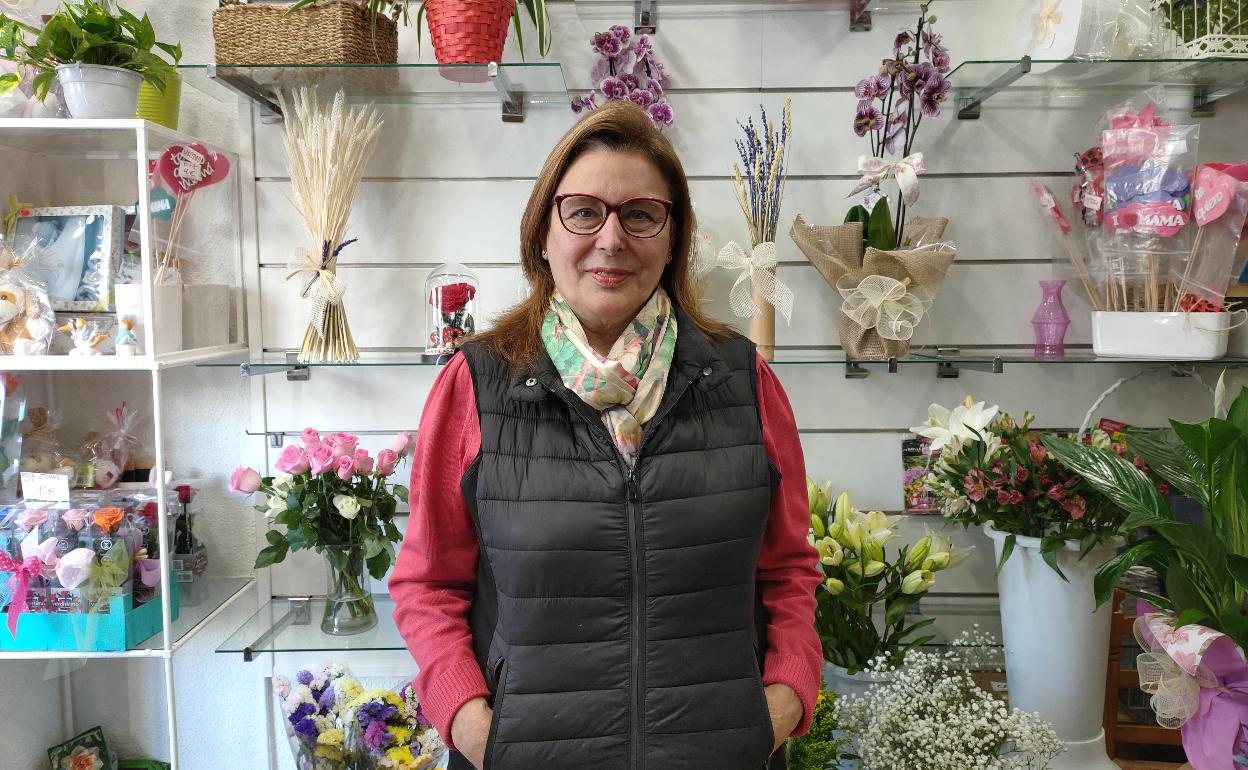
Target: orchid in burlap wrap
[327,147]
[886,293]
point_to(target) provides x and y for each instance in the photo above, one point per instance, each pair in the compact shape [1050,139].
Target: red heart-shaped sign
[186,168]
[1213,195]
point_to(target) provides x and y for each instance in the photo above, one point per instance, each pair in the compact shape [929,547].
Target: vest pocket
[500,679]
[762,700]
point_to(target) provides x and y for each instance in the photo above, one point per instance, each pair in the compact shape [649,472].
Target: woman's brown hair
[620,127]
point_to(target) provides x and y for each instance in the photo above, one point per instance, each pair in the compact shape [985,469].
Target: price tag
[52,487]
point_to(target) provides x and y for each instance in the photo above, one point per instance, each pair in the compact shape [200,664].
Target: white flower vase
[1056,645]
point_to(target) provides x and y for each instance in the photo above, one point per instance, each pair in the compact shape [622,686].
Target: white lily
[965,422]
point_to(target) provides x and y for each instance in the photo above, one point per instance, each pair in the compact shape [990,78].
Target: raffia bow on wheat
[327,148]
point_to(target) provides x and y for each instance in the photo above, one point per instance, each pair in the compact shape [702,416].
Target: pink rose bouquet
[329,492]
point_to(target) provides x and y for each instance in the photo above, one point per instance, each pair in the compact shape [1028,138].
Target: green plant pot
[161,108]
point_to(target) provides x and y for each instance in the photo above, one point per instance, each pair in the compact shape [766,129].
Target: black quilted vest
[616,620]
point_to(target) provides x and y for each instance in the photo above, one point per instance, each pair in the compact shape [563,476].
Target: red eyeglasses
[583,214]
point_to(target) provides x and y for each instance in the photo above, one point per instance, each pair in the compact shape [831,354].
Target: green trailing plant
[85,32]
[822,747]
[1194,19]
[1203,566]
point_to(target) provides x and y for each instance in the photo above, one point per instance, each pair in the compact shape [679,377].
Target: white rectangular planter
[205,315]
[1167,336]
[167,302]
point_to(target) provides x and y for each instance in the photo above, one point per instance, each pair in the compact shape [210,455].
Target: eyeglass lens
[584,214]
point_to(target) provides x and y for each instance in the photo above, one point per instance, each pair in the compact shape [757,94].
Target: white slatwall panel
[449,184]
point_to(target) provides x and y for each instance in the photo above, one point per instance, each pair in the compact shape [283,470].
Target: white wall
[442,171]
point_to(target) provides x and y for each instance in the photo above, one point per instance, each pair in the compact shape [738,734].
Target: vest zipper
[634,543]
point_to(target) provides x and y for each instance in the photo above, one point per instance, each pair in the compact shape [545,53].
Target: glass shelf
[294,625]
[948,361]
[1036,79]
[511,85]
[199,601]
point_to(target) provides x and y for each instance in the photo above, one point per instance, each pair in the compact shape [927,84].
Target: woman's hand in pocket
[471,728]
[785,709]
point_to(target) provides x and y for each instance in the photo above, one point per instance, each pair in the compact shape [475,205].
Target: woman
[606,563]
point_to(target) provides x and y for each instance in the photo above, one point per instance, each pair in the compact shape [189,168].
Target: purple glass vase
[1050,322]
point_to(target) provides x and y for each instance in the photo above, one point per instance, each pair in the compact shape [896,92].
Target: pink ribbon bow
[22,571]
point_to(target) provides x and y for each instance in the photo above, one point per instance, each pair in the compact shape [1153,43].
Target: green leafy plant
[1204,566]
[1193,19]
[84,32]
[859,579]
[821,747]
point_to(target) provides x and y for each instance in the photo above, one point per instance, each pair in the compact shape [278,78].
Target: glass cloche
[451,295]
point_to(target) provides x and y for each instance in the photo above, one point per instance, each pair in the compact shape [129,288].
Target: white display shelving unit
[94,162]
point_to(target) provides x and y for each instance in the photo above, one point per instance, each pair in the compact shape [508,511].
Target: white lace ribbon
[323,287]
[884,304]
[756,274]
[1175,690]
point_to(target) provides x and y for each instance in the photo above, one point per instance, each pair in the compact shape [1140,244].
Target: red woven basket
[469,31]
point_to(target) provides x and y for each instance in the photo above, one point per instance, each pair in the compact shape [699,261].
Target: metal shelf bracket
[512,101]
[860,15]
[645,17]
[298,613]
[248,89]
[970,100]
[858,370]
[295,371]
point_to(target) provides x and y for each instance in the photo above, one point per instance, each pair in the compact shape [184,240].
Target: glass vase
[349,607]
[1050,321]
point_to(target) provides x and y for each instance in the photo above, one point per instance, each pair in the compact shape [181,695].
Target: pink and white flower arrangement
[627,70]
[330,492]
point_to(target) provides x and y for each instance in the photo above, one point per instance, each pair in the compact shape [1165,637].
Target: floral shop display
[332,496]
[450,309]
[1196,635]
[334,723]
[1051,529]
[627,70]
[305,32]
[97,51]
[327,147]
[81,575]
[928,712]
[1160,235]
[757,294]
[886,268]
[866,602]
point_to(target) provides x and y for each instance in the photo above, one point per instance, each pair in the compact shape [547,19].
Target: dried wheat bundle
[327,148]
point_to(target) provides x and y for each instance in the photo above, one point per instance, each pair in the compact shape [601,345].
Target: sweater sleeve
[435,576]
[787,571]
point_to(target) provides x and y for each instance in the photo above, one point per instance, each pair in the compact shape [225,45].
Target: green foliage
[1203,566]
[1193,19]
[877,225]
[85,32]
[819,748]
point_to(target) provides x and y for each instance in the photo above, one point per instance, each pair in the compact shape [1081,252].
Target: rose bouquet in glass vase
[867,595]
[333,497]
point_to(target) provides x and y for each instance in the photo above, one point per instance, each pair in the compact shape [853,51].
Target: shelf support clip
[295,371]
[512,100]
[969,100]
[298,613]
[645,17]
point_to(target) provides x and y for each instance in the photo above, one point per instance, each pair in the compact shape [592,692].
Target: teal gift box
[123,627]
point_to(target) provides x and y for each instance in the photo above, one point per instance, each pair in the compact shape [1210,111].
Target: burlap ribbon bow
[836,252]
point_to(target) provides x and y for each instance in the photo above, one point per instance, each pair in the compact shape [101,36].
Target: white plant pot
[167,301]
[1056,645]
[1168,336]
[97,91]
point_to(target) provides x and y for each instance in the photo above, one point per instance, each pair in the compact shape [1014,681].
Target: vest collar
[695,360]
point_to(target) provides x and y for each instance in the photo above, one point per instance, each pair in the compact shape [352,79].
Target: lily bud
[834,586]
[919,552]
[873,551]
[873,568]
[843,508]
[917,582]
[936,561]
[816,523]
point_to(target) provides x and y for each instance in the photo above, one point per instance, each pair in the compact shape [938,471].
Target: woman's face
[606,277]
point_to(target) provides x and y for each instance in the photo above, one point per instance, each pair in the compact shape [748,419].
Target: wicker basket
[328,32]
[469,31]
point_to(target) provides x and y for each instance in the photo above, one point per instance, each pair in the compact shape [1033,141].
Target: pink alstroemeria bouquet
[330,493]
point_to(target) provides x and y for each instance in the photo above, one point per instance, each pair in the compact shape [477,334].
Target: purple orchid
[630,81]
[871,88]
[656,89]
[613,89]
[601,69]
[641,97]
[940,59]
[644,46]
[606,44]
[932,97]
[660,113]
[931,39]
[867,119]
[620,32]
[583,104]
[904,38]
[625,63]
[657,71]
[898,122]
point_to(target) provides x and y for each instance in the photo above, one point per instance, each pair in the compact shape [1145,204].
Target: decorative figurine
[126,343]
[85,335]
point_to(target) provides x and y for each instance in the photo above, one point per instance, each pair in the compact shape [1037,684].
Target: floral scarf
[626,386]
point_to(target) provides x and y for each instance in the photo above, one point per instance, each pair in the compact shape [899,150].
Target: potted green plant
[100,57]
[1197,638]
